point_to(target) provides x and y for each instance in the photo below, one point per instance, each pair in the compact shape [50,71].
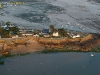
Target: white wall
[55,34]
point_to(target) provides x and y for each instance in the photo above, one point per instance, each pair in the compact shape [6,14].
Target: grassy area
[95,50]
[13,55]
[59,50]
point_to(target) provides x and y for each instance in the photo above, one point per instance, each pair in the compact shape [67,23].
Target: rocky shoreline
[33,44]
[77,44]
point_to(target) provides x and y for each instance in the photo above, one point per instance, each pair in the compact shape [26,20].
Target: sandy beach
[23,46]
[33,46]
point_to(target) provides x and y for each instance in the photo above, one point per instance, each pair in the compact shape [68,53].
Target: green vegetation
[8,23]
[97,49]
[13,55]
[36,31]
[8,31]
[23,54]
[59,50]
[52,28]
[14,30]
[62,32]
[5,33]
[1,62]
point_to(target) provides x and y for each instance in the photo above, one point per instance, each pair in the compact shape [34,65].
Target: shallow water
[70,63]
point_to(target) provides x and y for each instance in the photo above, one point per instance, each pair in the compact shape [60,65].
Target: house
[27,34]
[46,35]
[55,34]
[36,35]
[76,36]
[3,26]
[21,31]
[45,31]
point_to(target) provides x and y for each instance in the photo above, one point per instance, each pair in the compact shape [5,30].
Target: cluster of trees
[62,32]
[4,33]
[14,30]
[7,33]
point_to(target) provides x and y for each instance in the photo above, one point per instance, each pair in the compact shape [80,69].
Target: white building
[3,26]
[55,34]
[46,35]
[27,34]
[36,35]
[76,36]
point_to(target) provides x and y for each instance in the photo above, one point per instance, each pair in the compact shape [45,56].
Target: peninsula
[18,41]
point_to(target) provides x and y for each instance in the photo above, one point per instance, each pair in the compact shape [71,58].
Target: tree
[15,30]
[8,23]
[52,28]
[36,31]
[62,32]
[4,33]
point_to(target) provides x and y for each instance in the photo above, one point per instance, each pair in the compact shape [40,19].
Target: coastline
[33,46]
[45,45]
[86,44]
[20,46]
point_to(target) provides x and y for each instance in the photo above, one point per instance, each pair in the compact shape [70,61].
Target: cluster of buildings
[76,34]
[5,26]
[39,32]
[70,33]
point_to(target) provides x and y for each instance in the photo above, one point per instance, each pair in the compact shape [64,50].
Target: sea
[60,63]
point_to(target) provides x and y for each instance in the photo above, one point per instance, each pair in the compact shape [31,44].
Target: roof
[45,31]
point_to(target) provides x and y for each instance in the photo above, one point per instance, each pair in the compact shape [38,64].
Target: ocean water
[68,63]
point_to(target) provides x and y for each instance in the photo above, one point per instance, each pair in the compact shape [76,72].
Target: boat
[91,55]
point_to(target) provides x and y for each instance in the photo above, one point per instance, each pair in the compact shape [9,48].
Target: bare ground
[33,46]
